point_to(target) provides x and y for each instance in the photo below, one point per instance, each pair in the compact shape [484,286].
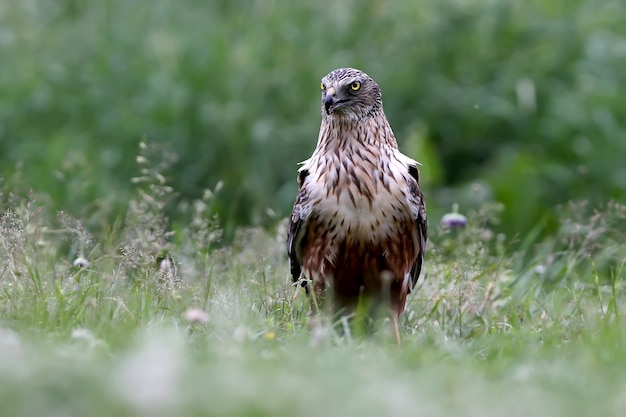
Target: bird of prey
[358,226]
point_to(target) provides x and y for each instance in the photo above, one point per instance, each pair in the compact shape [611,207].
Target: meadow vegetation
[147,161]
[144,319]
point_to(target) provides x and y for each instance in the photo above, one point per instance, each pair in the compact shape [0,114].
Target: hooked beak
[331,102]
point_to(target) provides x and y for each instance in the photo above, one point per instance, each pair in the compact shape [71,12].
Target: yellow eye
[322,86]
[355,86]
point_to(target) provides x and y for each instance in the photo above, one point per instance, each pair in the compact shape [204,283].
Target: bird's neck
[345,134]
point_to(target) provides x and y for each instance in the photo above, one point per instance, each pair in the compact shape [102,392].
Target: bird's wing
[297,225]
[418,208]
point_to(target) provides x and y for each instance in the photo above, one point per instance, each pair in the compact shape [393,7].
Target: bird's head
[349,93]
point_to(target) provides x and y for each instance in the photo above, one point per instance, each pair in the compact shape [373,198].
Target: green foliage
[522,98]
[139,319]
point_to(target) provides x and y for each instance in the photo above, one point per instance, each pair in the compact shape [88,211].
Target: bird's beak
[329,103]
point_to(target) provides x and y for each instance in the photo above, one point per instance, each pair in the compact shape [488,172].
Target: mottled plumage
[358,226]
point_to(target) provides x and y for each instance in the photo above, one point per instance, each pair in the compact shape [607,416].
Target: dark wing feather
[418,206]
[297,226]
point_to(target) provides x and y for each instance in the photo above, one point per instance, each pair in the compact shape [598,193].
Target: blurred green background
[520,102]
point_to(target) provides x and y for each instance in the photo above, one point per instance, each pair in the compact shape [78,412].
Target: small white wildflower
[149,379]
[320,331]
[195,315]
[241,334]
[12,352]
[82,334]
[86,337]
[523,373]
[81,262]
[9,341]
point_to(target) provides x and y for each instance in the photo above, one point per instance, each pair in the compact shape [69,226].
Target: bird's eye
[322,86]
[355,86]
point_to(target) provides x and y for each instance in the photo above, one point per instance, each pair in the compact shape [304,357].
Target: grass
[145,318]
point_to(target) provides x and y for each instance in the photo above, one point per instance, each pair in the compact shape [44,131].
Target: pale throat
[342,134]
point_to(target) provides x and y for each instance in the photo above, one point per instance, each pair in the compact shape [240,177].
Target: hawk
[358,226]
